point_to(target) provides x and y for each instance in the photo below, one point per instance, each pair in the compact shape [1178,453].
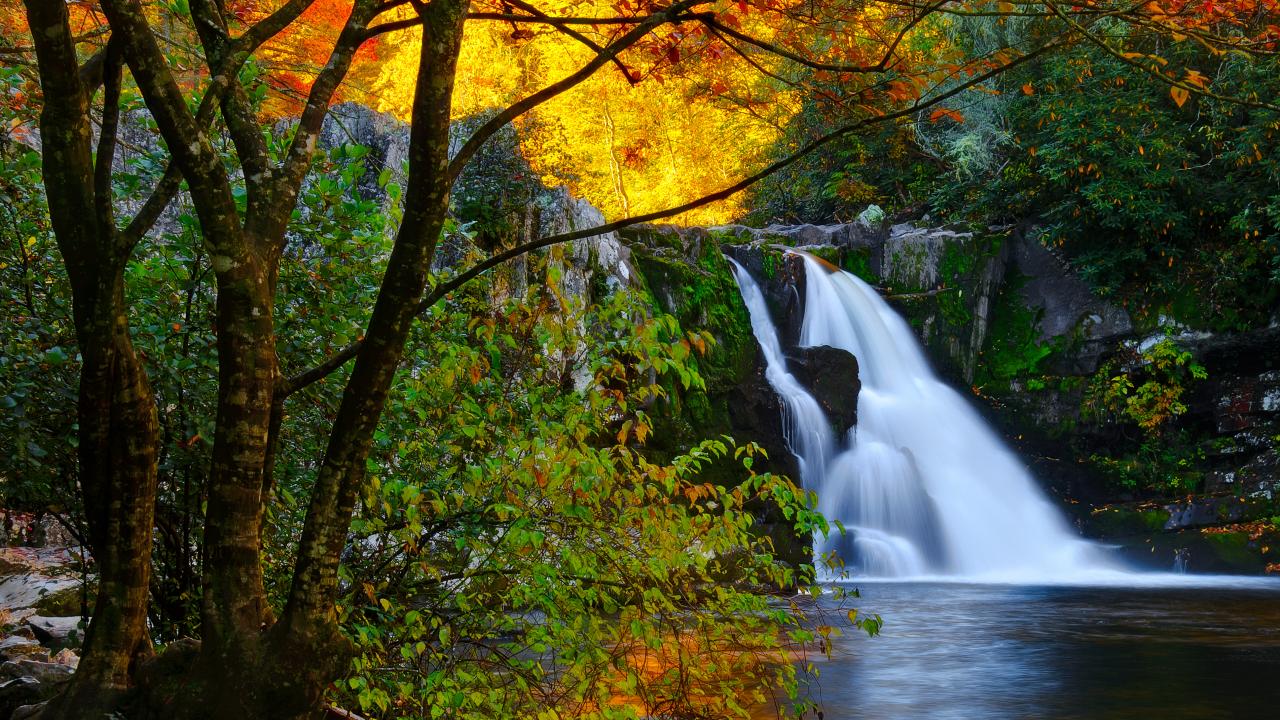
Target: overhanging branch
[337,360]
[610,51]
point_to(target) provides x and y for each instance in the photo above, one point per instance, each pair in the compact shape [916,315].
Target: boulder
[29,712]
[43,672]
[831,377]
[66,656]
[17,692]
[17,647]
[912,256]
[58,632]
[35,590]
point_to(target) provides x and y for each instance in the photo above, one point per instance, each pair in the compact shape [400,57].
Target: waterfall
[804,424]
[922,484]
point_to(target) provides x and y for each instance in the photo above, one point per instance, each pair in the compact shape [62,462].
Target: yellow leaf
[1179,95]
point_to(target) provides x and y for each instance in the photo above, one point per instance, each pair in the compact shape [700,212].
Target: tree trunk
[118,449]
[118,432]
[308,627]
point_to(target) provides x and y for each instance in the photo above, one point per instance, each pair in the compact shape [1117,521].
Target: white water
[803,422]
[924,487]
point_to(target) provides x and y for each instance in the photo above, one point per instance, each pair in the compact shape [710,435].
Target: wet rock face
[40,597]
[831,377]
[1240,405]
[755,414]
[781,279]
[1065,300]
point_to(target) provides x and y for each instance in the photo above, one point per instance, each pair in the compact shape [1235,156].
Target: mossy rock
[1235,549]
[1123,521]
[61,603]
[687,277]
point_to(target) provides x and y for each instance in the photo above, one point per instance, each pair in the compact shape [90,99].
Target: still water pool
[972,652]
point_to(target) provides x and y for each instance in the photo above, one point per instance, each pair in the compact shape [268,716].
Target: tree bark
[119,432]
[118,428]
[309,623]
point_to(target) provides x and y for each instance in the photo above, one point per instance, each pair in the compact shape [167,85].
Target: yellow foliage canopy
[675,135]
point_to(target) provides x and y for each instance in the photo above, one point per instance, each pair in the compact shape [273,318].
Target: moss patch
[1122,521]
[687,277]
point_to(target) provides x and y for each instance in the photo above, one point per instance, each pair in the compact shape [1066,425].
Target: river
[973,652]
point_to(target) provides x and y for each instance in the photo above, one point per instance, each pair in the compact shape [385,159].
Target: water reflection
[984,651]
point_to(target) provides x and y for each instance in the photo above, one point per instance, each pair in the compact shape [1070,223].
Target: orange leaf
[1179,95]
[1027,89]
[940,113]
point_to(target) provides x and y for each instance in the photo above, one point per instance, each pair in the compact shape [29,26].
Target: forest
[410,359]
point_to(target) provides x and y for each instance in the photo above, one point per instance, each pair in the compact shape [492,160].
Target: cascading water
[922,484]
[803,422]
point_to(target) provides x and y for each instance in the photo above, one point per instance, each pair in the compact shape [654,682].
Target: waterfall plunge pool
[1056,629]
[1178,648]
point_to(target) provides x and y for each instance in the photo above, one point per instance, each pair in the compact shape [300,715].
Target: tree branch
[337,360]
[514,111]
[112,75]
[570,32]
[239,52]
[880,66]
[237,109]
[186,140]
[1152,72]
[298,159]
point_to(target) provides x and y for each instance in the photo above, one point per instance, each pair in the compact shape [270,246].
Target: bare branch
[497,122]
[570,32]
[269,27]
[880,66]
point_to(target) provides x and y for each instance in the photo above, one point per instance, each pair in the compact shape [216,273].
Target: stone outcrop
[831,377]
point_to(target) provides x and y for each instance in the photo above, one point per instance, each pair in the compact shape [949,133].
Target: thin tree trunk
[308,626]
[118,451]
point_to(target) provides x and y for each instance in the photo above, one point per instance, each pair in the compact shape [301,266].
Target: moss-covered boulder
[686,276]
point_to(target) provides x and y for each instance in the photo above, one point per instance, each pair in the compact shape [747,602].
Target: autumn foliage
[515,449]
